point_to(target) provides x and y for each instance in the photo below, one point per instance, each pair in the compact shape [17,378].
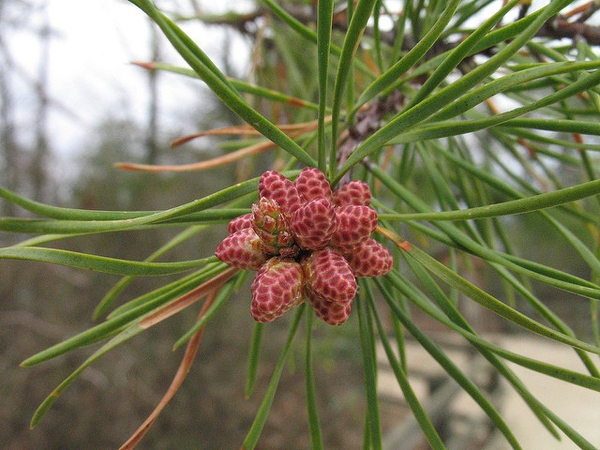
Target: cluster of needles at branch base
[308,243]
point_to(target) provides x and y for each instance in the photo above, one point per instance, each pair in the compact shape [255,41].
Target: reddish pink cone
[275,186]
[330,312]
[313,224]
[276,288]
[242,249]
[312,184]
[329,276]
[239,223]
[306,242]
[370,259]
[354,193]
[355,224]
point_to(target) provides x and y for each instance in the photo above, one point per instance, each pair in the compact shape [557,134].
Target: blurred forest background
[42,304]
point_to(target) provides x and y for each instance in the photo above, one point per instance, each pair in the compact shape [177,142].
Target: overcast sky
[90,71]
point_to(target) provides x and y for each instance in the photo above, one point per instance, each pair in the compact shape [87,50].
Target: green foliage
[460,121]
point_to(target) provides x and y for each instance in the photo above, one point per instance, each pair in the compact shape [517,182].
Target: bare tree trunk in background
[196,7]
[152,125]
[37,169]
[8,146]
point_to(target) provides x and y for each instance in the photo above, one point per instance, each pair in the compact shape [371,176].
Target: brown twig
[562,28]
[368,121]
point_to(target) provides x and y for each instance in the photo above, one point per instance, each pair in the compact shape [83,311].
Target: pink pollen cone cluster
[307,244]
